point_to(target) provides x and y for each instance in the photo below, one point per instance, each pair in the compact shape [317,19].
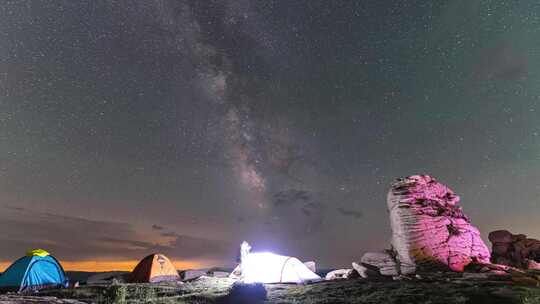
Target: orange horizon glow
[101,266]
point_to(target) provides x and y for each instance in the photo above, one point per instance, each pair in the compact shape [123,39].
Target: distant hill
[80,276]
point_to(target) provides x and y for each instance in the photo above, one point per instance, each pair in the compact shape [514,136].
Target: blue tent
[37,270]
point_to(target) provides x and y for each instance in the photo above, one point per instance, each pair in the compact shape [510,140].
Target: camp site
[270,151]
[258,277]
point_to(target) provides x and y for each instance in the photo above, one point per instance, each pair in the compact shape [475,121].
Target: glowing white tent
[267,267]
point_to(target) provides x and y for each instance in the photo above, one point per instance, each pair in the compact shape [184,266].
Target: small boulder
[191,274]
[364,271]
[340,274]
[383,261]
[220,274]
[533,265]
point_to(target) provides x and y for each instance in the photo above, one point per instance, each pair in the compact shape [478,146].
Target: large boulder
[515,250]
[429,230]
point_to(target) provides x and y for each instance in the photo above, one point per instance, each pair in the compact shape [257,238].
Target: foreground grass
[442,289]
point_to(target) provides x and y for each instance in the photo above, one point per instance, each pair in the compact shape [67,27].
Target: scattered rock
[491,268]
[533,265]
[526,280]
[339,274]
[383,261]
[192,274]
[515,250]
[476,276]
[220,274]
[364,271]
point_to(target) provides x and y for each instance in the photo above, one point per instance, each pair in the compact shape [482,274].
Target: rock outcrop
[429,227]
[429,230]
[515,250]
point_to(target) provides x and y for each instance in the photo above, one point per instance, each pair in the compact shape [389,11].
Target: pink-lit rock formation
[515,250]
[429,230]
[429,227]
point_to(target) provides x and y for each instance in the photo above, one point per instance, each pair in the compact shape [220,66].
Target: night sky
[128,127]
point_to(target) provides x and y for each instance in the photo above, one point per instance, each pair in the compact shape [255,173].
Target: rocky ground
[444,288]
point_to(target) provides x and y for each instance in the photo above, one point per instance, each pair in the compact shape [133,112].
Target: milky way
[189,126]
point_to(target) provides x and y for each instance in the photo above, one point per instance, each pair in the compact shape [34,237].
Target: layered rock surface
[515,250]
[429,230]
[429,227]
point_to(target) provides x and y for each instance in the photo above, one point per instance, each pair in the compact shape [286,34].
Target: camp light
[263,267]
[268,267]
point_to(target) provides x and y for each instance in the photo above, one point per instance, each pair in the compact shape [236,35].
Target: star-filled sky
[128,127]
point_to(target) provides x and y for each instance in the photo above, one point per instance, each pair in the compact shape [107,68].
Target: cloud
[157,227]
[352,213]
[71,238]
[193,247]
[296,213]
[14,208]
[131,244]
[168,234]
[291,196]
[75,239]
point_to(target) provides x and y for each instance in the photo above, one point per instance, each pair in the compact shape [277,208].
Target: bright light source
[267,267]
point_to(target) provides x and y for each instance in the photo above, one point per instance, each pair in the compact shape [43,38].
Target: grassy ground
[440,289]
